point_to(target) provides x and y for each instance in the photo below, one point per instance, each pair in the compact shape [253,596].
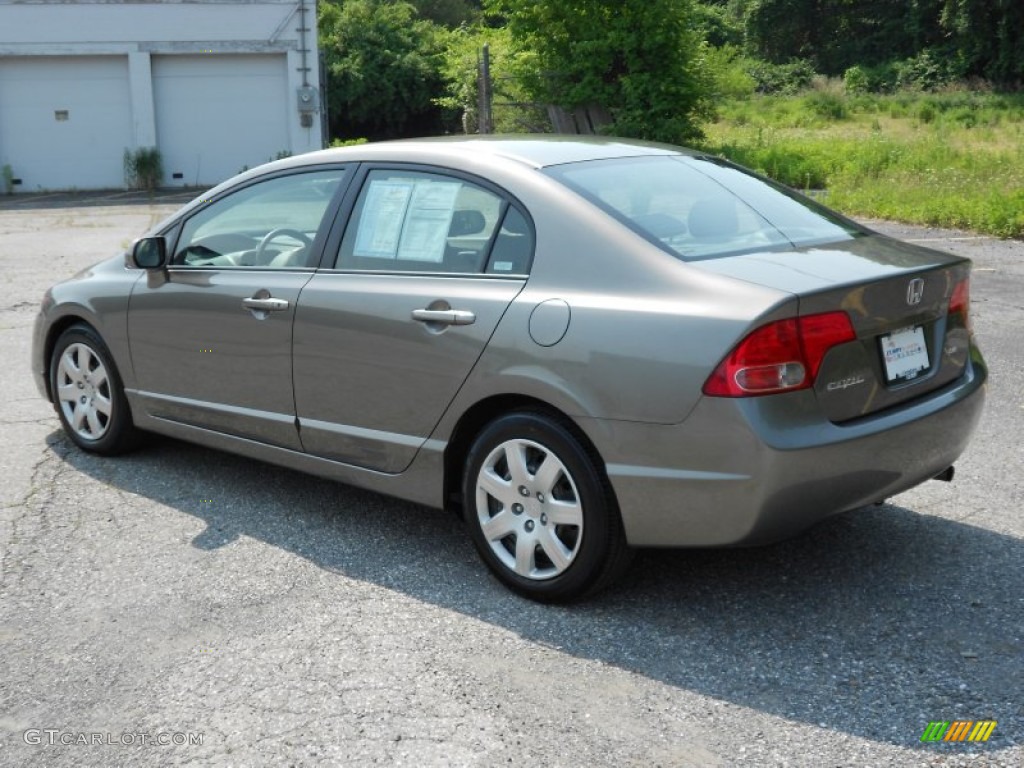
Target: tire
[88,394]
[541,514]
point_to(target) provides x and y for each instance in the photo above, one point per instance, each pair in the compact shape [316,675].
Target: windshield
[699,207]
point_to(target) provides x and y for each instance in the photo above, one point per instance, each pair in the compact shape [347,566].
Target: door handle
[444,316]
[265,304]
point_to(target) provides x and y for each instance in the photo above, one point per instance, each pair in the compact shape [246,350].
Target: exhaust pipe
[945,475]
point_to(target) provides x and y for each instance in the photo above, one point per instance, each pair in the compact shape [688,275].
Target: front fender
[99,297]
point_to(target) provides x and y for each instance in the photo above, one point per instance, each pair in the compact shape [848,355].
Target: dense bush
[729,71]
[929,70]
[826,105]
[877,79]
[781,78]
[927,112]
[855,80]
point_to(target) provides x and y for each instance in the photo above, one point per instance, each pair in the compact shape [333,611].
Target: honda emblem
[915,291]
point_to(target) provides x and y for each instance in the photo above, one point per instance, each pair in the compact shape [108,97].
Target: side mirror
[149,253]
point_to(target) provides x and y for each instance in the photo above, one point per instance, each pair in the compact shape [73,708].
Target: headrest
[466,223]
[714,218]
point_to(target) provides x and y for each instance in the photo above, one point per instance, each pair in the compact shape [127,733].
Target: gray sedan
[582,346]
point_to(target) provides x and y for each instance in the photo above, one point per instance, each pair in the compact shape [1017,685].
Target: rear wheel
[88,393]
[540,513]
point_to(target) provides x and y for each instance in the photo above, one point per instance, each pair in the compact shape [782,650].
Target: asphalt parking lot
[250,615]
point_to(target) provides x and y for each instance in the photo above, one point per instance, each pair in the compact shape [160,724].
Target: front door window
[270,224]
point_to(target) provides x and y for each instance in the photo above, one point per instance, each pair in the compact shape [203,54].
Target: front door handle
[444,316]
[267,304]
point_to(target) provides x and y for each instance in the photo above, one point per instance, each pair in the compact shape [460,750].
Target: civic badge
[915,291]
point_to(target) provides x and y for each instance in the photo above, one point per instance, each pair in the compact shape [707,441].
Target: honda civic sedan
[581,346]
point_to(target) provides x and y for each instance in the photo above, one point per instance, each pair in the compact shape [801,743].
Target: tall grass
[951,159]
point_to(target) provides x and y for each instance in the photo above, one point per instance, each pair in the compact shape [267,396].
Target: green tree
[383,69]
[640,60]
[448,13]
[782,30]
[988,34]
[837,34]
[718,25]
[512,110]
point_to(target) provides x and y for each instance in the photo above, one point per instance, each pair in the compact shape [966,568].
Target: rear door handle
[444,316]
[265,304]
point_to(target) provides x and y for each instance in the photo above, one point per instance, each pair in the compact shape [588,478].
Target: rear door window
[411,221]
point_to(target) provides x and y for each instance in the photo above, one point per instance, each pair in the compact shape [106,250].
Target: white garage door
[216,114]
[65,121]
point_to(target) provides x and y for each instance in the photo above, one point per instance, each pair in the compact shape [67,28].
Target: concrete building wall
[215,85]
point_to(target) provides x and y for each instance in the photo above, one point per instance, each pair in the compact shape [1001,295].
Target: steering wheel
[276,233]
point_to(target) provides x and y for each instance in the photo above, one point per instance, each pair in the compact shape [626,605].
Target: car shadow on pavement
[872,623]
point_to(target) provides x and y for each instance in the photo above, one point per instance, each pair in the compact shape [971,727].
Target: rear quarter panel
[645,329]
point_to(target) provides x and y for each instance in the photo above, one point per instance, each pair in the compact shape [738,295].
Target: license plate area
[904,353]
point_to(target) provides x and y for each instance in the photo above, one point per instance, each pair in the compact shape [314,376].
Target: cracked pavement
[290,620]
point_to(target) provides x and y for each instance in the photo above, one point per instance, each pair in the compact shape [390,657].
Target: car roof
[537,150]
[480,154]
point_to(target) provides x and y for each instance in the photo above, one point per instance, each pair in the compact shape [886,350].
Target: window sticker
[428,220]
[380,225]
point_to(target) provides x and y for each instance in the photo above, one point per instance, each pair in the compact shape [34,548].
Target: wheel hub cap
[529,509]
[83,392]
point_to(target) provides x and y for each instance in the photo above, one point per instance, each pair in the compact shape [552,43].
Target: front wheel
[540,513]
[88,394]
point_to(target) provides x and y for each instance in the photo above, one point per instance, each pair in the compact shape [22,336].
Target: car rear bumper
[751,471]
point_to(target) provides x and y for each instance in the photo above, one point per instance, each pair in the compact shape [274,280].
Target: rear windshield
[699,207]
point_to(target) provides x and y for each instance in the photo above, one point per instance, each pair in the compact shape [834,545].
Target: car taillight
[960,301]
[783,356]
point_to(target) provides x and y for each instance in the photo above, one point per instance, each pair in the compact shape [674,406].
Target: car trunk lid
[897,296]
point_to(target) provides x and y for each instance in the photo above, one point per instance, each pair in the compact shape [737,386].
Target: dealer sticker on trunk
[905,353]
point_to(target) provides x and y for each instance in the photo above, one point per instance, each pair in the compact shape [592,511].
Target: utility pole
[485,123]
